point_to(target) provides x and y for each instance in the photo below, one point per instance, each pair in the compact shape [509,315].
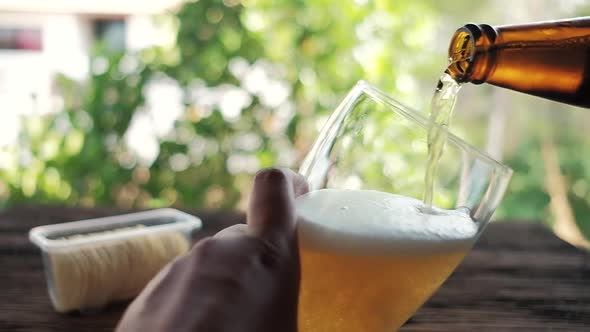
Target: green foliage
[76,155]
[526,198]
[255,81]
[313,50]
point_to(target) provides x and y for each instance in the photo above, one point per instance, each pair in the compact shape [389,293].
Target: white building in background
[40,38]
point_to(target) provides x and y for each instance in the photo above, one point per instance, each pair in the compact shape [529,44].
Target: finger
[235,230]
[271,214]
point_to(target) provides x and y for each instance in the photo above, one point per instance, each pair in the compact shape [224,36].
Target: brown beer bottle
[546,59]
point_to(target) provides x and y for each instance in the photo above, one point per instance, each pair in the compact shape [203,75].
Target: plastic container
[100,232]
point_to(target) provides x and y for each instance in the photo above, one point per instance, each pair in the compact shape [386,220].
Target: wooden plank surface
[519,277]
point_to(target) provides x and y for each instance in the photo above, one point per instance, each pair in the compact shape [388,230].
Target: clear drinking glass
[372,142]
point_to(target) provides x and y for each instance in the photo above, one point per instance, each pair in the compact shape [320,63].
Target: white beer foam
[368,222]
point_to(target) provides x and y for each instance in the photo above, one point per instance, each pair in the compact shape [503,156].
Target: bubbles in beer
[376,222]
[376,261]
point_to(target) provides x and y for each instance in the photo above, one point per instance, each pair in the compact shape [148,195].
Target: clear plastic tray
[63,237]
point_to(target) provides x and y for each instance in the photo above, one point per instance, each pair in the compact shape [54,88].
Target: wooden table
[519,277]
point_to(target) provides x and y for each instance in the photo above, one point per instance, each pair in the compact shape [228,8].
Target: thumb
[271,213]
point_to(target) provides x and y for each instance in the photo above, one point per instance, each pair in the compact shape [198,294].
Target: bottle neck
[469,58]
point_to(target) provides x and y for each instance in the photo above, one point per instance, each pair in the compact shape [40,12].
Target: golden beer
[374,274]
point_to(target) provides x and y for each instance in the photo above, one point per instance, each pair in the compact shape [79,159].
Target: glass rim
[380,96]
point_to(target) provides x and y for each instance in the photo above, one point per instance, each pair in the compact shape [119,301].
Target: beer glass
[371,254]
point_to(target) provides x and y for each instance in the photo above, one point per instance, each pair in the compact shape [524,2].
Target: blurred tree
[248,85]
[76,155]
